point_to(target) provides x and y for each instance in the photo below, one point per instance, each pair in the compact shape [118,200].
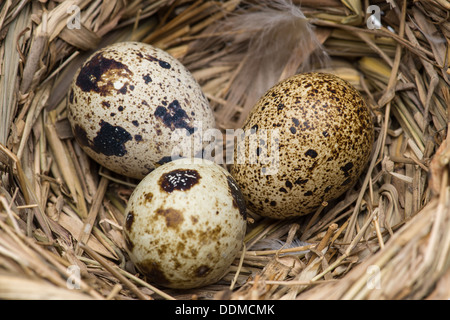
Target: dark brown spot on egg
[202,271]
[194,219]
[173,217]
[174,117]
[162,64]
[238,198]
[147,78]
[165,159]
[138,137]
[346,169]
[293,130]
[180,246]
[273,203]
[209,235]
[301,181]
[123,89]
[135,123]
[148,197]
[110,140]
[193,252]
[99,74]
[177,264]
[179,179]
[311,153]
[306,125]
[161,248]
[129,220]
[106,104]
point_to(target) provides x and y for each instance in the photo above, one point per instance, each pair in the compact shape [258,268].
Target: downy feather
[275,41]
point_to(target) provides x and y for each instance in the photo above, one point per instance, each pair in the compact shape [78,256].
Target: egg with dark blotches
[314,135]
[185,223]
[127,100]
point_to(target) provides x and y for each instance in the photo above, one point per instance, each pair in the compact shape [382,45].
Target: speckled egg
[127,100]
[185,223]
[318,135]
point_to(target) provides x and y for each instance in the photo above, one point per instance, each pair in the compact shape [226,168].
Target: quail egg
[185,223]
[318,136]
[127,100]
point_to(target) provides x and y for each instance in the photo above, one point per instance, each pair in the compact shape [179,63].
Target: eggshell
[185,223]
[323,136]
[127,100]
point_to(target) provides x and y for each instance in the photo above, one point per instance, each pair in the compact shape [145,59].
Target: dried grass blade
[390,89]
[379,143]
[66,166]
[437,44]
[9,73]
[92,216]
[114,272]
[75,228]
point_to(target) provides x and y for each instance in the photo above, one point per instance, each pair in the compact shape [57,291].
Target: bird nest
[61,214]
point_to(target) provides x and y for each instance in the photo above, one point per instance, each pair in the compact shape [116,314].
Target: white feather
[275,40]
[277,244]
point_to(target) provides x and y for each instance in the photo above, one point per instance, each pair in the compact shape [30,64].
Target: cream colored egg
[185,223]
[127,100]
[319,137]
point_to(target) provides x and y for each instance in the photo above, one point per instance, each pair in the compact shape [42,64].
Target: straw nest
[387,238]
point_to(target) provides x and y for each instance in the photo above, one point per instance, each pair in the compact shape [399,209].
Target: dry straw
[387,238]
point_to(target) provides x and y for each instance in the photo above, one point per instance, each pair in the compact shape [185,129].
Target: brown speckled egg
[185,223]
[321,134]
[127,100]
